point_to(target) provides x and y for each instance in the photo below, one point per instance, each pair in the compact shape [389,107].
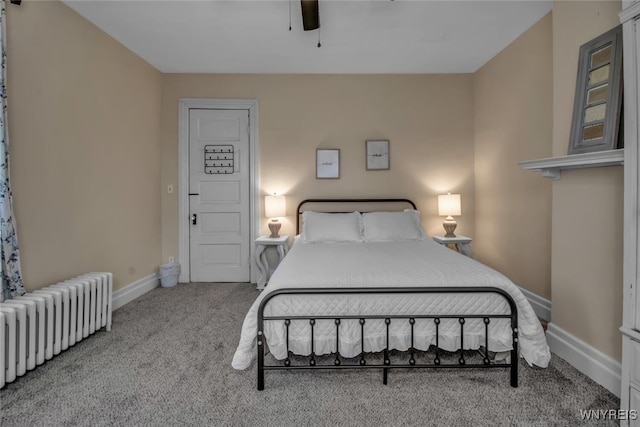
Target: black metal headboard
[349,202]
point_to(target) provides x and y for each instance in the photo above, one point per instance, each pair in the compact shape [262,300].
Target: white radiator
[39,325]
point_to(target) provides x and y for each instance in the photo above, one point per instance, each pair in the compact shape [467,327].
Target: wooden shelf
[551,167]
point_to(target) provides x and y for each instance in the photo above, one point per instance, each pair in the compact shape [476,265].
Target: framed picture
[377,155]
[327,163]
[598,100]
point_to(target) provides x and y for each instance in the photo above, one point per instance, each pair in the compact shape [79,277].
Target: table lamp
[274,208]
[449,205]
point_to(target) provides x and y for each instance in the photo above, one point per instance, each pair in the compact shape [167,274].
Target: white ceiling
[358,36]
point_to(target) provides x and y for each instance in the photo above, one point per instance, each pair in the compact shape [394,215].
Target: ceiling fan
[310,16]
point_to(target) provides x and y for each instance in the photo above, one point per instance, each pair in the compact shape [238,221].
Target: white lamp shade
[275,206]
[449,204]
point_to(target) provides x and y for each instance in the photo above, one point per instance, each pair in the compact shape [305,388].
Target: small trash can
[169,273]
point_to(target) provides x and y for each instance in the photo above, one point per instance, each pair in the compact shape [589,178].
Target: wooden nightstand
[460,243]
[282,245]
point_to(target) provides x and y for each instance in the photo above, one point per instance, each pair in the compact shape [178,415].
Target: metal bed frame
[386,364]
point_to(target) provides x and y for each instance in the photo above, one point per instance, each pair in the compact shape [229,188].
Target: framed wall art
[377,155]
[598,101]
[327,163]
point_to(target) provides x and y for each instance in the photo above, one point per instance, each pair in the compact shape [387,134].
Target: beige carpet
[167,362]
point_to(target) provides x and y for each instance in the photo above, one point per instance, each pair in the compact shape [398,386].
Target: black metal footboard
[386,362]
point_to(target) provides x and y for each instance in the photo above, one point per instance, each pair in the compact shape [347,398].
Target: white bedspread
[386,264]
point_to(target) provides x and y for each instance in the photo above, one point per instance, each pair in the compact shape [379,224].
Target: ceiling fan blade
[310,14]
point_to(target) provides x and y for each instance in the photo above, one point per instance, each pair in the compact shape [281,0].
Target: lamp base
[449,226]
[274,226]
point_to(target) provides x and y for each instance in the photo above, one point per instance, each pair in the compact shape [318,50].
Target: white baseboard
[601,368]
[541,306]
[134,290]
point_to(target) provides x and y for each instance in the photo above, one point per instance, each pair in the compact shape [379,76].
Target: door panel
[219,195]
[227,255]
[220,192]
[221,223]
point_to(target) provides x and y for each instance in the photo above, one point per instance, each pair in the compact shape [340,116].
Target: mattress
[414,263]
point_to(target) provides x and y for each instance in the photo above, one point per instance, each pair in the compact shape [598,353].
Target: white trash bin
[169,274]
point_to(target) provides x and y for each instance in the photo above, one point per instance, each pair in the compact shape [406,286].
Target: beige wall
[513,122]
[85,162]
[586,273]
[427,118]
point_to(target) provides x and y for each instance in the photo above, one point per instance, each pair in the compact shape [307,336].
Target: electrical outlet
[170,188]
[171,259]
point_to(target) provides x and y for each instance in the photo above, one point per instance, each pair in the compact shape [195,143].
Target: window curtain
[12,285]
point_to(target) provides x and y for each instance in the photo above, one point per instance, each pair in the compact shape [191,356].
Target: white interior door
[219,233]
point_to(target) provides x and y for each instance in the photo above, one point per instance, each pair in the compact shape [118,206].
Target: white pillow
[331,227]
[392,226]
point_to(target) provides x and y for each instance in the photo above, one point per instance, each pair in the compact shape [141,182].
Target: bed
[362,282]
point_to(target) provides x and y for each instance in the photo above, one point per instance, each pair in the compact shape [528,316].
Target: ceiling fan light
[310,15]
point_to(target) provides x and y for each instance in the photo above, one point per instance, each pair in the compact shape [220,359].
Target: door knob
[194,219]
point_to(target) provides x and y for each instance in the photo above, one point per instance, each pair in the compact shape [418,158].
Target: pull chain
[290,14]
[319,45]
